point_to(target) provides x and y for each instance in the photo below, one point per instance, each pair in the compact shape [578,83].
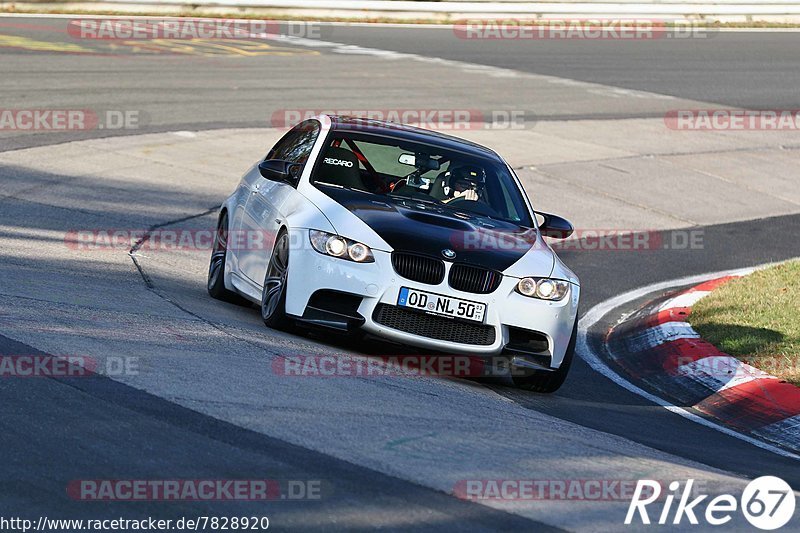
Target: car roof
[410,133]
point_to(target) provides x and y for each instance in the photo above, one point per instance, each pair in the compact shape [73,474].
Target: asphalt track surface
[753,70]
[57,430]
[202,88]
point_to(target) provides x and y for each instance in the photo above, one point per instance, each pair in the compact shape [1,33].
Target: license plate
[437,304]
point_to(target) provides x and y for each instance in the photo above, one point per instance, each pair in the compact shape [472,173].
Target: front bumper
[377,283]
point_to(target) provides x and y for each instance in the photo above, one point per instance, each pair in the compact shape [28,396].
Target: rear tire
[216,268]
[273,294]
[544,381]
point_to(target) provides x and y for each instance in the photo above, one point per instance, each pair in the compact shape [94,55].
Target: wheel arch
[223,211]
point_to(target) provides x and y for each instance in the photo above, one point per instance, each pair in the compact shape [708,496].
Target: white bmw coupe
[416,237]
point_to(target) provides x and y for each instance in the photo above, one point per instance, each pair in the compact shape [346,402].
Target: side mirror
[554,226]
[279,170]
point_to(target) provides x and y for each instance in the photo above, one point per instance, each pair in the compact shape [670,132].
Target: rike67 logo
[767,503]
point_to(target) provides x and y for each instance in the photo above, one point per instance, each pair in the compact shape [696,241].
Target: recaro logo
[340,162]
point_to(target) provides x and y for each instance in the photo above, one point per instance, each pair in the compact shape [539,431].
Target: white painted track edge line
[596,362]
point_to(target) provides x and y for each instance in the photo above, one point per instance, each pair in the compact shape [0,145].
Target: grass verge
[756,319]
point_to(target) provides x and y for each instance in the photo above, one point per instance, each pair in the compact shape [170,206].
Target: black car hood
[427,228]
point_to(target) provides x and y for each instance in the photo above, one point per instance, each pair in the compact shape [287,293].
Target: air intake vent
[421,268]
[434,327]
[474,279]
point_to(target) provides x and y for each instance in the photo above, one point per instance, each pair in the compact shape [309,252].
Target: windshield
[398,169]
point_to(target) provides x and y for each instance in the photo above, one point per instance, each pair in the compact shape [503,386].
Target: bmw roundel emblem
[448,253]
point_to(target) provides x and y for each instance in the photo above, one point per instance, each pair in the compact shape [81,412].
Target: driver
[465,182]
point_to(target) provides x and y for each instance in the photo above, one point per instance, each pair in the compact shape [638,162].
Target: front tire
[273,294]
[544,381]
[216,268]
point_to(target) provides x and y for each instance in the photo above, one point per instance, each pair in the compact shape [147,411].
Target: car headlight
[543,288]
[336,246]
